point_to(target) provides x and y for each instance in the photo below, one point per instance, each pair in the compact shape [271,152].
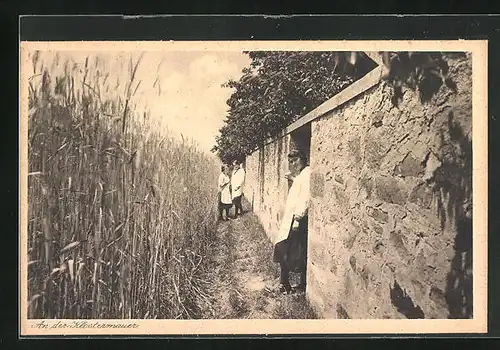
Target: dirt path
[244,268]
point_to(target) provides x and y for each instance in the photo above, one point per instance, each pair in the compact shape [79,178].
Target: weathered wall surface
[266,186]
[390,232]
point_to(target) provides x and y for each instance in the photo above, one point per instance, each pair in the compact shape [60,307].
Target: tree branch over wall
[279,87]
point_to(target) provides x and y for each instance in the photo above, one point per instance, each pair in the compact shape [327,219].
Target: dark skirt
[224,206]
[294,248]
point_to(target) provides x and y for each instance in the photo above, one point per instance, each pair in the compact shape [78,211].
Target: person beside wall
[237,182]
[290,249]
[225,202]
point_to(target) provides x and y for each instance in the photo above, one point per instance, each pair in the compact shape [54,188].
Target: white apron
[297,202]
[237,182]
[225,193]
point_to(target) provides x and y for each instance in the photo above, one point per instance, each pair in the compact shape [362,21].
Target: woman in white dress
[290,249]
[225,202]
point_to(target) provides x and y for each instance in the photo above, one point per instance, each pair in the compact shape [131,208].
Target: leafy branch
[278,87]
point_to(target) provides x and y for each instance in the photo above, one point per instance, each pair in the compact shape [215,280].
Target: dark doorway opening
[301,139]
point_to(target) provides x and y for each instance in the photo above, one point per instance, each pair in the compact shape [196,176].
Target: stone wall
[266,186]
[390,217]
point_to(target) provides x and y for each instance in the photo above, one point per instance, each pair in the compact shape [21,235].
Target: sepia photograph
[253,187]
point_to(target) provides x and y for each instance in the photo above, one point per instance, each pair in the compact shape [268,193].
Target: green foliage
[280,87]
[277,89]
[424,72]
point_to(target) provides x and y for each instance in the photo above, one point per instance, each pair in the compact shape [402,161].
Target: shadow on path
[243,269]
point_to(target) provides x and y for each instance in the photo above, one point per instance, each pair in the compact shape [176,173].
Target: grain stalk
[110,192]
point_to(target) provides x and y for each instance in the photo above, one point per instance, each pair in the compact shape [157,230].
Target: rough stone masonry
[390,228]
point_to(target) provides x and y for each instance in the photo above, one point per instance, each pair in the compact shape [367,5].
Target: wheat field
[121,218]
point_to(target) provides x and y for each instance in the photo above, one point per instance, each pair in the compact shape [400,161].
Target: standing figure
[290,249]
[224,193]
[237,182]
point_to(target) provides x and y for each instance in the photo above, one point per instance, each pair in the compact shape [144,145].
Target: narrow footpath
[244,273]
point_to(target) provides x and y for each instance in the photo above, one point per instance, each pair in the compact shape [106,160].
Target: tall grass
[120,217]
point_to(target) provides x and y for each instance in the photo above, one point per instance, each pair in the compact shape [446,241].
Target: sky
[188,98]
[192,100]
